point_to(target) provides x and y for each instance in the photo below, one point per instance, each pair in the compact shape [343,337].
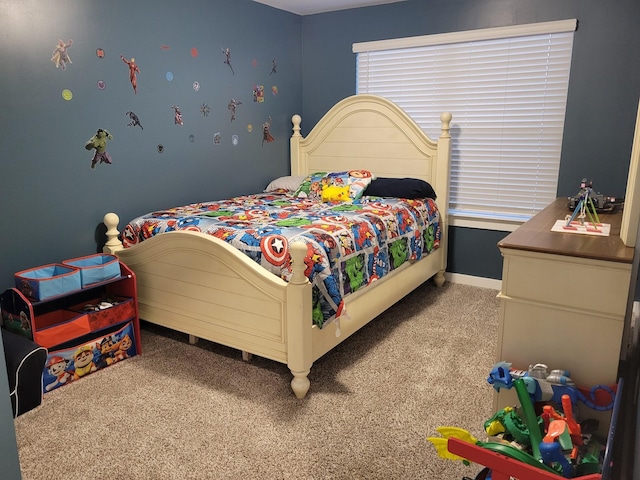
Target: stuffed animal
[335,193]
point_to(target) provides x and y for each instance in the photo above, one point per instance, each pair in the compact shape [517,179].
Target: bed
[201,285]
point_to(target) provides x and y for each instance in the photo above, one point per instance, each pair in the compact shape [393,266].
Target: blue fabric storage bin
[48,281]
[95,268]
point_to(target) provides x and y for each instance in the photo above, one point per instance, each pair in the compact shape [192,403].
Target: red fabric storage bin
[103,318]
[60,326]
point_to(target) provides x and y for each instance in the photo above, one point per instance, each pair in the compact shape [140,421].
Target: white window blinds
[507,91]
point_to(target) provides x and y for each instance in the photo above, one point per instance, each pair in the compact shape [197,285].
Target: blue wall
[52,201]
[603,92]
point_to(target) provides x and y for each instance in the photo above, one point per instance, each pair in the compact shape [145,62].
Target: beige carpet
[199,412]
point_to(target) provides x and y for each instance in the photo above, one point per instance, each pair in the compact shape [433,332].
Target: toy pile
[542,431]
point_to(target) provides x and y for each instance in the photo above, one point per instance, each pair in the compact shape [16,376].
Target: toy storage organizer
[86,323]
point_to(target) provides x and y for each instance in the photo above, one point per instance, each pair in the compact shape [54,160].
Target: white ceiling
[309,7]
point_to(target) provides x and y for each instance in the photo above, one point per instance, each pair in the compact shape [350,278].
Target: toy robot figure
[99,143]
[585,206]
[60,56]
[133,72]
[601,203]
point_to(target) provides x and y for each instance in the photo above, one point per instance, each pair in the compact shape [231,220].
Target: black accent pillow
[411,188]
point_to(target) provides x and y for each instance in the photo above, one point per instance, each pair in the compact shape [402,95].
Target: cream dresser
[563,301]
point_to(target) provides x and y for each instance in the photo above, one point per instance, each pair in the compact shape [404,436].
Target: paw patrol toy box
[71,362]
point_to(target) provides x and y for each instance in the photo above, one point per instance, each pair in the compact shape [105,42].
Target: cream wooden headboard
[372,133]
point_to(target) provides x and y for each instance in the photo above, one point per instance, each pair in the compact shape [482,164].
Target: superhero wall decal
[135,121]
[134,70]
[60,56]
[227,58]
[99,143]
[260,72]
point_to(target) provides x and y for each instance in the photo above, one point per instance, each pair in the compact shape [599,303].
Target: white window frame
[426,103]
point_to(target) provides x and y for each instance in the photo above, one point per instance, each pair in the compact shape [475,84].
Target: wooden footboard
[199,285]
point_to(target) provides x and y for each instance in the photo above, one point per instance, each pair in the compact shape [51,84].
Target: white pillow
[291,182]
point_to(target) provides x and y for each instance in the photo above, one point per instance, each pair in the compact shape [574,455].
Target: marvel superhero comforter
[349,245]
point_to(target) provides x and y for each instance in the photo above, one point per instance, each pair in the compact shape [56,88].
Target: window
[506,89]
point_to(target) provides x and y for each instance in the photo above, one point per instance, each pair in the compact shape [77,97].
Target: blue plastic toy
[546,387]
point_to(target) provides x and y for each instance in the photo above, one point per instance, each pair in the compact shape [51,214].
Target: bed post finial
[298,253]
[113,244]
[294,146]
[296,120]
[445,118]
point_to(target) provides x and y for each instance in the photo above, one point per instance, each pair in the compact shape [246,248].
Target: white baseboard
[483,282]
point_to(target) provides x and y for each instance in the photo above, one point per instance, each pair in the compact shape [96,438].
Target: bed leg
[300,384]
[438,278]
[193,339]
[246,356]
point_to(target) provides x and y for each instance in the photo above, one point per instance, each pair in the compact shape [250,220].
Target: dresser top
[536,236]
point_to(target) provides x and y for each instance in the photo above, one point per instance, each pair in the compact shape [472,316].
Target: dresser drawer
[561,338]
[584,284]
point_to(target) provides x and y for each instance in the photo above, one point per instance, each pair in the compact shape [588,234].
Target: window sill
[483,223]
